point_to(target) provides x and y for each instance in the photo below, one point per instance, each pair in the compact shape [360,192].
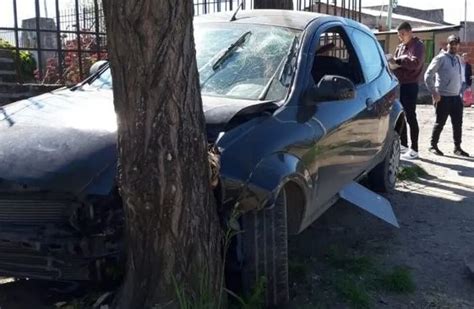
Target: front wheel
[264,248]
[384,176]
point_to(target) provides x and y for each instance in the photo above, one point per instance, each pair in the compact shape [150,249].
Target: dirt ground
[350,259]
[329,260]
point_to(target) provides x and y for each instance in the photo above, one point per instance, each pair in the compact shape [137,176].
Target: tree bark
[273,4]
[173,230]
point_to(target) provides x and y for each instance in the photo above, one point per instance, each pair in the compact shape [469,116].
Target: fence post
[78,34]
[59,43]
[19,76]
[38,39]
[97,29]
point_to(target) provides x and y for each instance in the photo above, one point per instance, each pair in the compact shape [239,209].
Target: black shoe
[436,151]
[460,152]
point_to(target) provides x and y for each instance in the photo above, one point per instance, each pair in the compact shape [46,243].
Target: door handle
[370,103]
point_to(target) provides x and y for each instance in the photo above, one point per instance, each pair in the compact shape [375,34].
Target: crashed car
[300,105]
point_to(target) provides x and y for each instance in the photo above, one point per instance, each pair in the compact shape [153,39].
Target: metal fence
[66,44]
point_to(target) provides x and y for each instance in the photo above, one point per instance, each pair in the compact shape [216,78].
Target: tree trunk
[273,4]
[173,230]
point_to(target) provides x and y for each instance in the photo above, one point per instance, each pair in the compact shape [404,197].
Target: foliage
[411,173]
[358,279]
[27,63]
[71,70]
[399,280]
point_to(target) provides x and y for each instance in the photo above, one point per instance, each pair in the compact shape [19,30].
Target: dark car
[300,105]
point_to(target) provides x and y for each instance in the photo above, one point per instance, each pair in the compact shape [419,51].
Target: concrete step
[13,88]
[8,78]
[7,66]
[6,60]
[6,53]
[10,92]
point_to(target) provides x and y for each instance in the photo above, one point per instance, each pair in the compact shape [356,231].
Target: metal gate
[66,36]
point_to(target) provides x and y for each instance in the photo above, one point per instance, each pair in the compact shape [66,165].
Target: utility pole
[391,5]
[465,21]
[45,8]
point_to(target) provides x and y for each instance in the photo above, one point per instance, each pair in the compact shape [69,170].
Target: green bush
[27,61]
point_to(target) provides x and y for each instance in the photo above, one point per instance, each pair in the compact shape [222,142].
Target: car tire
[265,252]
[384,176]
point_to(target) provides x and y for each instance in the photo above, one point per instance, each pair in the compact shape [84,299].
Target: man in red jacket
[409,59]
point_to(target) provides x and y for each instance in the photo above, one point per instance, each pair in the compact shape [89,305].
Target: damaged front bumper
[59,237]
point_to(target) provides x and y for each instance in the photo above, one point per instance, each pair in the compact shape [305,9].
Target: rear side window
[370,58]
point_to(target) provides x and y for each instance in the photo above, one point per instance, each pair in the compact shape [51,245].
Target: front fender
[269,176]
[397,116]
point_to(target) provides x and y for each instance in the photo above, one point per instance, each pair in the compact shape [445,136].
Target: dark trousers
[408,96]
[453,107]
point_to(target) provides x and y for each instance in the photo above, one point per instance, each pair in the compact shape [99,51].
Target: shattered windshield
[241,61]
[237,61]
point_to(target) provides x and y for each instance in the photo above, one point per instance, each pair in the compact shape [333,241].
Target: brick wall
[468,48]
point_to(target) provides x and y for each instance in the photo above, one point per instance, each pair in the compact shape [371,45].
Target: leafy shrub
[71,73]
[27,64]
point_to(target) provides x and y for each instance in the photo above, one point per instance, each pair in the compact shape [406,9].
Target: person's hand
[399,59]
[436,98]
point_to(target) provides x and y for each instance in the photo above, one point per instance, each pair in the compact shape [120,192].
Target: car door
[344,149]
[378,84]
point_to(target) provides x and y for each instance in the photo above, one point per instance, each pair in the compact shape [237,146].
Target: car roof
[281,18]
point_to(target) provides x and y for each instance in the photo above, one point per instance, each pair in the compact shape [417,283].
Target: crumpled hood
[66,140]
[61,141]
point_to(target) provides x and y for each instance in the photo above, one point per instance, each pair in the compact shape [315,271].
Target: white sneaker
[403,149]
[410,155]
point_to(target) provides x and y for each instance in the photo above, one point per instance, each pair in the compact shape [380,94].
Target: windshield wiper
[289,66]
[230,50]
[91,78]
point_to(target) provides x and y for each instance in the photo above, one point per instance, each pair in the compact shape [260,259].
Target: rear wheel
[264,252]
[384,176]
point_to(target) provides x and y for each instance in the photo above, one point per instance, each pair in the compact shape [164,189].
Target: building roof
[441,28]
[378,13]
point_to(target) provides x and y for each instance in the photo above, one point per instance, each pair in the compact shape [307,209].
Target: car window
[334,55]
[370,57]
[250,68]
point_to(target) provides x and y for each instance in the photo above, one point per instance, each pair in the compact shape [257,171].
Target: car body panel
[58,153]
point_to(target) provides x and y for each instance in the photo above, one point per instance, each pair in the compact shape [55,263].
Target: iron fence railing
[67,42]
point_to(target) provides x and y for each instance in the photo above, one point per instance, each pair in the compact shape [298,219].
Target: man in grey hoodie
[444,81]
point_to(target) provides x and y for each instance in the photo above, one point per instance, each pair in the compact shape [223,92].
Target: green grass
[354,291]
[298,270]
[399,280]
[256,299]
[357,278]
[411,173]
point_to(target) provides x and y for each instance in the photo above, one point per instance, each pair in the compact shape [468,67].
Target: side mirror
[96,66]
[332,88]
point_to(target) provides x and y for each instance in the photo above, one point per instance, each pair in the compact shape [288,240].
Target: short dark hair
[404,26]
[454,39]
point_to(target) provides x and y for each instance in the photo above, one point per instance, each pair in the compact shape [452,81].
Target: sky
[453,9]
